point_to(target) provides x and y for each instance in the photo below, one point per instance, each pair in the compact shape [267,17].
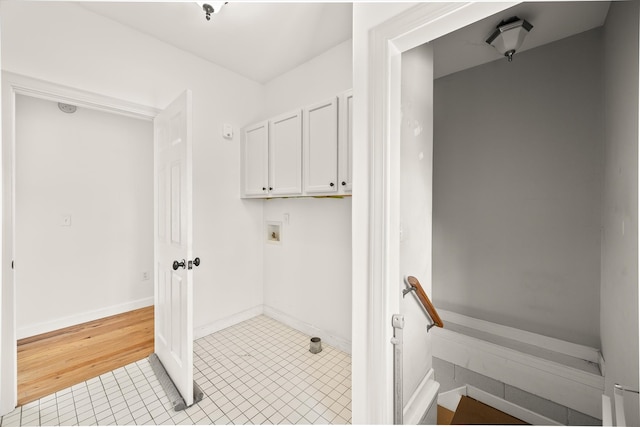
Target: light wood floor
[444,416]
[473,412]
[56,360]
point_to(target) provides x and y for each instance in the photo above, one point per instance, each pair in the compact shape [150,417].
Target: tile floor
[256,372]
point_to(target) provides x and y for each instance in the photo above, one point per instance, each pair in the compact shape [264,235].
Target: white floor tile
[256,372]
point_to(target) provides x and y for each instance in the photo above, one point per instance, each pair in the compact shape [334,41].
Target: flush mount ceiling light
[210,7]
[509,35]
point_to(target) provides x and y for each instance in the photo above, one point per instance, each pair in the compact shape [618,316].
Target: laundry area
[261,297]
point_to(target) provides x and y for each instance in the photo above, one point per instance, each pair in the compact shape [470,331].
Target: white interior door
[173,244]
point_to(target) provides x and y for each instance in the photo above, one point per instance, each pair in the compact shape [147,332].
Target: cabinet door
[253,164]
[285,155]
[321,147]
[345,142]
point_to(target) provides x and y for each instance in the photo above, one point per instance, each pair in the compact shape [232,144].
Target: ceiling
[551,21]
[264,40]
[257,40]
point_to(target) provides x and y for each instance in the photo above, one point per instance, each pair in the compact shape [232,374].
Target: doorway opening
[564,152]
[83,194]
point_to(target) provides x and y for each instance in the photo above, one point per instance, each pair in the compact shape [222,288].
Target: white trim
[299,325]
[309,329]
[421,400]
[537,363]
[13,84]
[220,324]
[451,399]
[549,343]
[76,319]
[376,296]
[25,85]
[510,408]
[567,386]
[607,413]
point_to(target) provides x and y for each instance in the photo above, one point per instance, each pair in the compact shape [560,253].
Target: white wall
[517,190]
[97,168]
[66,44]
[619,288]
[323,76]
[307,279]
[367,376]
[416,208]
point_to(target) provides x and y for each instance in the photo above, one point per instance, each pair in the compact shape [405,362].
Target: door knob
[196,262]
[177,264]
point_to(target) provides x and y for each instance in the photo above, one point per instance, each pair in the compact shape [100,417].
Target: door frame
[376,210]
[16,84]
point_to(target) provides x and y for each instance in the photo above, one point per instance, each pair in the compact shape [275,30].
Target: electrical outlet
[145,275]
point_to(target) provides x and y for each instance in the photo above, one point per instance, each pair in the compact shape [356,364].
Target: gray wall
[619,289]
[517,190]
[451,376]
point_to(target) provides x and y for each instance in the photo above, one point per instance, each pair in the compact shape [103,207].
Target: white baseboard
[567,386]
[553,344]
[311,330]
[421,400]
[451,399]
[218,325]
[76,319]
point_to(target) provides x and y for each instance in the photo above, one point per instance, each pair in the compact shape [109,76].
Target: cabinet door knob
[264,188]
[344,183]
[331,184]
[270,188]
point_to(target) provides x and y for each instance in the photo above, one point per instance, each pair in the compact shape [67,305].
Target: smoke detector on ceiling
[67,108]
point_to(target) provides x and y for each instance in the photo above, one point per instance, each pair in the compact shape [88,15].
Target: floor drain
[316,345]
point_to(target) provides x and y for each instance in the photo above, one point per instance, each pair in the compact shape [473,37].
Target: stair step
[473,412]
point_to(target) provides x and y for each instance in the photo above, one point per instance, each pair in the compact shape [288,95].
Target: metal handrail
[424,299]
[625,388]
[397,322]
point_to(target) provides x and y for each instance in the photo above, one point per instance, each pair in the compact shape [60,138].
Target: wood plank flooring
[473,412]
[56,360]
[444,416]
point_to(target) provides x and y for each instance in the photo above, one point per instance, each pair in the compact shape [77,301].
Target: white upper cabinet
[305,152]
[321,147]
[285,155]
[345,141]
[254,156]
